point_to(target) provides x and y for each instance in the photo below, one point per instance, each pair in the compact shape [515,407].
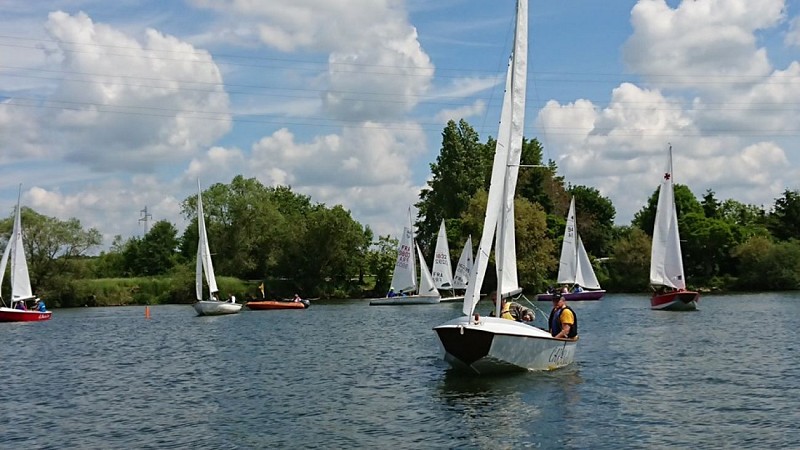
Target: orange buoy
[146,312]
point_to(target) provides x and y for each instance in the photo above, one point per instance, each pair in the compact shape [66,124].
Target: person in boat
[391,292]
[232,299]
[563,321]
[215,295]
[21,305]
[39,305]
[564,289]
[297,299]
[577,289]
[511,310]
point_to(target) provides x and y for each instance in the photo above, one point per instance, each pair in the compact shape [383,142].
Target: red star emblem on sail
[667,175]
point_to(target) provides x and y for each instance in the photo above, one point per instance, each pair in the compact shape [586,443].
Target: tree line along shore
[272,236]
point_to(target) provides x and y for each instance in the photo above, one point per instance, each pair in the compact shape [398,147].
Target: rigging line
[337,123]
[291,61]
[544,314]
[499,75]
[326,63]
[317,92]
[708,106]
[678,105]
[426,126]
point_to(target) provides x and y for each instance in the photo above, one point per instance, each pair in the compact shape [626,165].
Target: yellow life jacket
[505,313]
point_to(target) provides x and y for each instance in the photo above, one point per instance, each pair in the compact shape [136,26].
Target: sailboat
[575,268]
[404,278]
[213,306]
[464,266]
[21,291]
[666,260]
[442,268]
[485,345]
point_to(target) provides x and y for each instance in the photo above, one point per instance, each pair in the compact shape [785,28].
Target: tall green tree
[710,205]
[784,220]
[629,263]
[459,171]
[765,265]
[534,249]
[541,184]
[154,254]
[52,245]
[707,246]
[245,227]
[328,249]
[110,263]
[595,220]
[381,259]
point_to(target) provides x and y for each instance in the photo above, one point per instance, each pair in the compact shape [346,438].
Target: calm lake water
[349,375]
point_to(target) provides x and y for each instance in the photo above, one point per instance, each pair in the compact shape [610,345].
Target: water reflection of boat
[502,412]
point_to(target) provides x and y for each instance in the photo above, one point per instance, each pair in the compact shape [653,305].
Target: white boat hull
[406,300]
[216,308]
[492,345]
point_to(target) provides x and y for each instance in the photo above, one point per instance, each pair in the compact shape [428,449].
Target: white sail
[404,277]
[426,284]
[585,276]
[568,265]
[666,261]
[442,268]
[204,264]
[575,266]
[4,260]
[500,204]
[464,266]
[15,253]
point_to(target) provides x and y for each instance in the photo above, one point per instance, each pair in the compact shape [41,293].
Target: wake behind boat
[486,344]
[21,291]
[213,306]
[666,261]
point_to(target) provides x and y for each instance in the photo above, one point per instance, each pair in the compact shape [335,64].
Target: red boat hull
[575,296]
[675,301]
[268,304]
[16,315]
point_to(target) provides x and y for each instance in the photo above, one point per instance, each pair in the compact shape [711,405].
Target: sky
[108,108]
